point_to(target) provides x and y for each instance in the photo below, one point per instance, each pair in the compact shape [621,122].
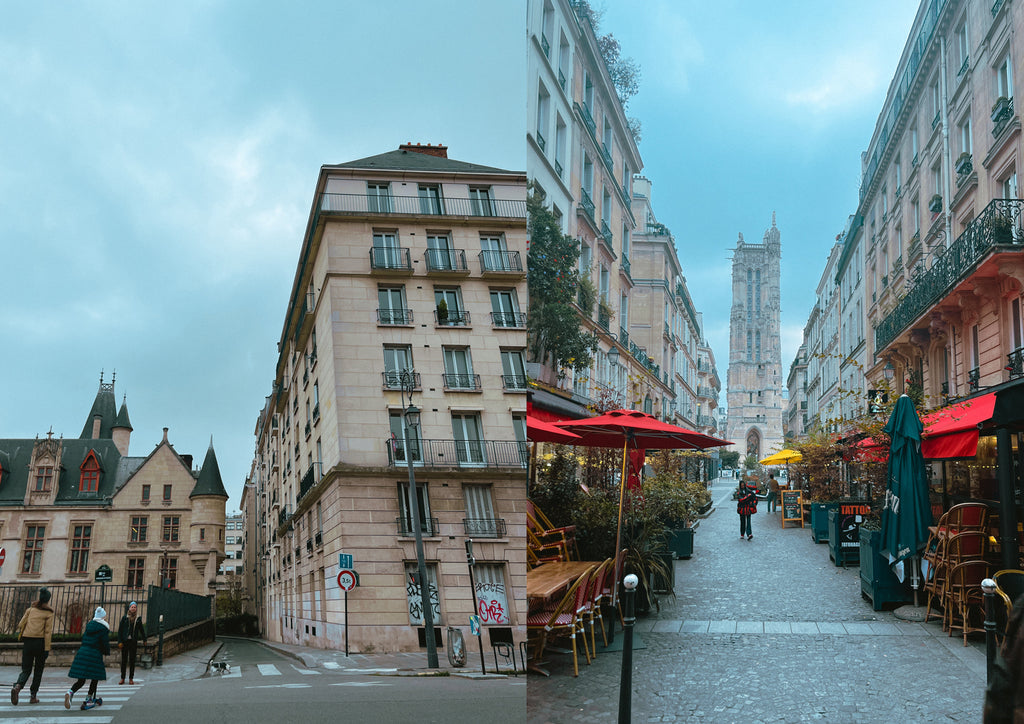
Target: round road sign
[346,579]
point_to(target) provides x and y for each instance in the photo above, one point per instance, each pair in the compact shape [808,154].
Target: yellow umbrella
[782,457]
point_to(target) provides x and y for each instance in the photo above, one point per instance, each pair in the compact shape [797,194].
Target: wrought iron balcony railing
[452,318]
[999,224]
[1015,363]
[514,382]
[455,381]
[501,261]
[459,453]
[452,260]
[394,316]
[428,527]
[417,206]
[393,259]
[484,527]
[513,320]
[392,380]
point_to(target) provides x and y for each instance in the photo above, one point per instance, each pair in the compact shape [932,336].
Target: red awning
[952,432]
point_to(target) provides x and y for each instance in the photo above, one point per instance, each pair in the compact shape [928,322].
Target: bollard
[160,643]
[989,587]
[628,620]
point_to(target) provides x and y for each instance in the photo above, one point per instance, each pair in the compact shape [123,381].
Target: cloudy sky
[749,108]
[157,165]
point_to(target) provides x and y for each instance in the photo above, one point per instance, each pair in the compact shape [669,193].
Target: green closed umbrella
[907,512]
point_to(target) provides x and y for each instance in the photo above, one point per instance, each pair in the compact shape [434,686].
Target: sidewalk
[769,630]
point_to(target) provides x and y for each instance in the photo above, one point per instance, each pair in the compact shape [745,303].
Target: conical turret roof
[209,482]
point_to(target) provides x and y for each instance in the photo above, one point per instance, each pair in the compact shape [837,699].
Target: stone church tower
[755,351]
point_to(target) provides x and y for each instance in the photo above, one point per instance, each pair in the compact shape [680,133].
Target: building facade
[69,506]
[410,289]
[755,355]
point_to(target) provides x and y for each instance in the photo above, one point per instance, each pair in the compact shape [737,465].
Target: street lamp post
[411,416]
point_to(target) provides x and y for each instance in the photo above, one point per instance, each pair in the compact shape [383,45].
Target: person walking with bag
[746,506]
[35,631]
[129,632]
[88,662]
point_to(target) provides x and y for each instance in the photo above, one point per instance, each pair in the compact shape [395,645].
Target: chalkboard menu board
[791,507]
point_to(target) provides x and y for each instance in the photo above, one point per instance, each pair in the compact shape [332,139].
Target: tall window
[397,359]
[33,557]
[136,572]
[378,196]
[169,572]
[139,530]
[89,479]
[170,530]
[468,434]
[431,201]
[44,478]
[80,549]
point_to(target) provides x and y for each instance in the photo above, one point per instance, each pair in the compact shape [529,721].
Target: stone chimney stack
[429,150]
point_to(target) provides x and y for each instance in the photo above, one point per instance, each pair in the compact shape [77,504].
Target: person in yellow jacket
[35,631]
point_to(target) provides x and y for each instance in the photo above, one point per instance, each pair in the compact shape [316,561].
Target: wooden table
[545,581]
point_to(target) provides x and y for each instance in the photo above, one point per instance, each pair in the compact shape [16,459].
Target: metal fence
[73,604]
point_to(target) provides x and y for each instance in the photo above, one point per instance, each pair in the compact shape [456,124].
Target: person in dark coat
[746,506]
[129,633]
[1004,698]
[88,662]
[35,631]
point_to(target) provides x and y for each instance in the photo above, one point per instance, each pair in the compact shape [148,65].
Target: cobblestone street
[770,630]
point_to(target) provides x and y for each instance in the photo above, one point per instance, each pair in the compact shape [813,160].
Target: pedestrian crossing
[51,705]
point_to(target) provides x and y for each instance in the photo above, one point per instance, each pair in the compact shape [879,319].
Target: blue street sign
[344,561]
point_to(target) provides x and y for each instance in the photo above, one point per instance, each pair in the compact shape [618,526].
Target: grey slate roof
[414,161]
[209,482]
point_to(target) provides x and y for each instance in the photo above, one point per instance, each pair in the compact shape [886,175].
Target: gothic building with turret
[755,355]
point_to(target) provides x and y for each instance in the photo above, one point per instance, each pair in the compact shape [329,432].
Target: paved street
[770,630]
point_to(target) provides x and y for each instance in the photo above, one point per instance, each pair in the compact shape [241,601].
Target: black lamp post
[411,415]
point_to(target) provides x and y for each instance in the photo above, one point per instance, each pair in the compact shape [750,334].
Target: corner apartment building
[410,279]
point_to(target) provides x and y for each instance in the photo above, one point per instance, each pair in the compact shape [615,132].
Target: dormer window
[89,482]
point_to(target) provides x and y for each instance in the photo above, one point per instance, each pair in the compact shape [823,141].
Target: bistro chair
[964,596]
[563,619]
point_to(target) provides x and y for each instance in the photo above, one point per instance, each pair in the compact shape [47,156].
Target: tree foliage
[554,330]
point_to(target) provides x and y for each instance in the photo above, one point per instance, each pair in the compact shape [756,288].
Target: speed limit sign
[346,579]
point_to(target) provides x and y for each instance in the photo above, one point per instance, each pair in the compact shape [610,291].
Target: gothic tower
[755,351]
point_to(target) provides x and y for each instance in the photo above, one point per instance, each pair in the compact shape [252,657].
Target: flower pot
[878,583]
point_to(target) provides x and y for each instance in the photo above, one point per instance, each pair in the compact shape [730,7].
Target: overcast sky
[753,107]
[157,166]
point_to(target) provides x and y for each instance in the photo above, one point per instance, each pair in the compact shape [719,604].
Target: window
[491,596]
[399,430]
[139,529]
[33,556]
[505,308]
[169,572]
[423,501]
[378,196]
[449,307]
[136,572]
[468,433]
[167,493]
[440,253]
[89,479]
[386,253]
[80,549]
[458,369]
[415,597]
[44,478]
[145,493]
[494,255]
[513,368]
[170,532]
[480,201]
[391,306]
[430,199]
[397,359]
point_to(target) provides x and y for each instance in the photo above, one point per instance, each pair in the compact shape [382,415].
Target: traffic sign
[344,560]
[3,555]
[346,579]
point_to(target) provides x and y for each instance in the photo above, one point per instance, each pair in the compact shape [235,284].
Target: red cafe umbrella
[540,431]
[636,430]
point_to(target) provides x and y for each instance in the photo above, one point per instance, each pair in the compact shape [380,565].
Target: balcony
[373,205]
[501,262]
[458,453]
[429,527]
[451,317]
[393,259]
[509,320]
[392,380]
[394,317]
[461,382]
[514,383]
[484,527]
[996,229]
[452,261]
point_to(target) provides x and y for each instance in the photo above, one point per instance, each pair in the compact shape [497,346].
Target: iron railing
[459,453]
[394,258]
[416,205]
[429,527]
[484,527]
[998,224]
[500,261]
[446,260]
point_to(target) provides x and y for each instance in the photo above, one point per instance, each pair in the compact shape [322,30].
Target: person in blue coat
[88,662]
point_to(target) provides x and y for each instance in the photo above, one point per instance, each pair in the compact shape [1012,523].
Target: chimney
[429,150]
[97,420]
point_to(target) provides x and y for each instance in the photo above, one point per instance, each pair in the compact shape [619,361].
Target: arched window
[89,482]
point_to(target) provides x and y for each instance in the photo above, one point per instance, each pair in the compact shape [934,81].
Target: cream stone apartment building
[70,506]
[411,278]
